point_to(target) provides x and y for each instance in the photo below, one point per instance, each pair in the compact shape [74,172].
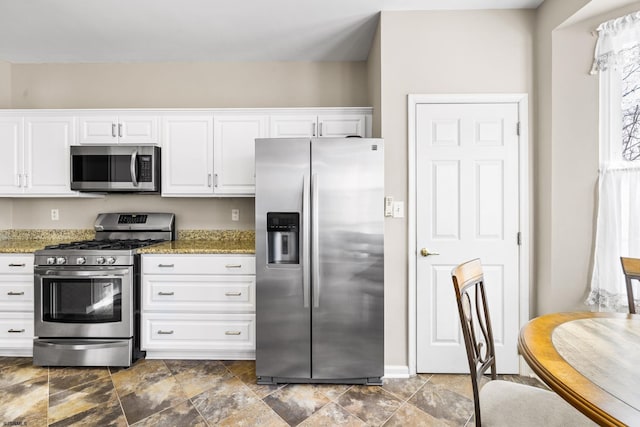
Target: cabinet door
[98,129]
[11,160]
[337,126]
[234,152]
[46,154]
[138,129]
[301,126]
[187,155]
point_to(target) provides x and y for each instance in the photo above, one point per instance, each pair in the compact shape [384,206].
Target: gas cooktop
[118,235]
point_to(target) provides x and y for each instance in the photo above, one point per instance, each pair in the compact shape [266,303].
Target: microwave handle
[134,159]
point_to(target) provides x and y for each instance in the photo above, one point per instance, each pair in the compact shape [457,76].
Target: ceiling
[54,31]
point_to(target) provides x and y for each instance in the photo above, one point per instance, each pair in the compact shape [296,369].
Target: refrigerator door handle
[315,267]
[305,241]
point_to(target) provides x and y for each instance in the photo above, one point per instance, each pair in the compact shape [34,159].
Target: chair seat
[504,403]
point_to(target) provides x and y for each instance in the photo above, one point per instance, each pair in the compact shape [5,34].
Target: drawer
[198,264]
[198,293]
[16,293]
[198,331]
[16,264]
[16,326]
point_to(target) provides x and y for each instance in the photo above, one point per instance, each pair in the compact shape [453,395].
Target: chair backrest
[468,283]
[631,269]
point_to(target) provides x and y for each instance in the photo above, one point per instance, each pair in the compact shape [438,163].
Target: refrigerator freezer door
[283,339]
[347,194]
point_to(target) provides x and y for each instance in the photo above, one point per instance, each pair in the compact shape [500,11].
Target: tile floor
[180,393]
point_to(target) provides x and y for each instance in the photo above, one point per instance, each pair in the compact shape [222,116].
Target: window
[617,60]
[630,103]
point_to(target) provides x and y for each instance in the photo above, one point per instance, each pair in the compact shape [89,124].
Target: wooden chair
[631,269]
[500,403]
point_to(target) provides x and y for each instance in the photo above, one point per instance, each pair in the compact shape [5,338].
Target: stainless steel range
[87,293]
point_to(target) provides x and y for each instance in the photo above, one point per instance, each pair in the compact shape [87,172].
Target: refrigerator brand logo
[374,147]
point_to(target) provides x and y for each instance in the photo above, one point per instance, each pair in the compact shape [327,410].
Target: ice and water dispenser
[282,237]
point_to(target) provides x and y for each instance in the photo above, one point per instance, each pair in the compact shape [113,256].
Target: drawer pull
[15,293]
[165,293]
[17,265]
[161,332]
[233,265]
[166,265]
[233,294]
[232,333]
[16,331]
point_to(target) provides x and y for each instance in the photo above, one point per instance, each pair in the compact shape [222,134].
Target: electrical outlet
[55,215]
[235,214]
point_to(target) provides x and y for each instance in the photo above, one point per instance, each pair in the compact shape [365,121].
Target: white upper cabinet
[35,157]
[234,152]
[11,166]
[187,155]
[118,129]
[321,126]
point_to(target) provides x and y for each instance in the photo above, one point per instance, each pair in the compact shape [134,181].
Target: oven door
[83,302]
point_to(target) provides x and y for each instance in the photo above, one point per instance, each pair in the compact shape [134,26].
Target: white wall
[435,53]
[174,85]
[567,154]
[5,84]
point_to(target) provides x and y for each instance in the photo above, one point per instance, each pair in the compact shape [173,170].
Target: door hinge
[519,238]
[518,129]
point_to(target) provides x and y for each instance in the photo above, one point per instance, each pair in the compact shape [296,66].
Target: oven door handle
[84,273]
[134,178]
[84,345]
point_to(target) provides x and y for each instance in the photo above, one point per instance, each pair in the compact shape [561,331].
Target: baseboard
[396,371]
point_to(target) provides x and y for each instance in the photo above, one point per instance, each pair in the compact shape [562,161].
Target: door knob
[424,252]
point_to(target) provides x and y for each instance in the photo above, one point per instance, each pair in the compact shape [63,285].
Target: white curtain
[618,220]
[618,234]
[613,37]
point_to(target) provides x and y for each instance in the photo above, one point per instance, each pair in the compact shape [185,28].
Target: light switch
[398,209]
[388,206]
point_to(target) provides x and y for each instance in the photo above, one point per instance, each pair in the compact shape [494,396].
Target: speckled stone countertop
[206,242]
[189,241]
[29,241]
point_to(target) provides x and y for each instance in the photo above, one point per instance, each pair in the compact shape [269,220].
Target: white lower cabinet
[198,306]
[16,305]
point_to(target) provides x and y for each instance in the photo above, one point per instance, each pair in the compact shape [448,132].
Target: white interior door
[467,206]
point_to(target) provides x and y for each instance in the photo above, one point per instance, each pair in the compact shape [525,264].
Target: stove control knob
[111,260]
[51,260]
[81,260]
[61,260]
[100,260]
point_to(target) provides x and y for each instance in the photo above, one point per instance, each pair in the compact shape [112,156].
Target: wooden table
[592,360]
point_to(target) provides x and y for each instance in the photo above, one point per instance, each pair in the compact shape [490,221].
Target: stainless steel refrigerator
[319,260]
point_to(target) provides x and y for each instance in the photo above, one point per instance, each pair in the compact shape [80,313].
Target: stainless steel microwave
[115,168]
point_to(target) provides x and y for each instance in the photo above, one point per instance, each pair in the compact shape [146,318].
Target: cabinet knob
[165,332]
[232,333]
[165,293]
[16,331]
[12,293]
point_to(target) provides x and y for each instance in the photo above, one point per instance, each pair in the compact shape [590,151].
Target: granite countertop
[201,246]
[29,241]
[206,242]
[189,241]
